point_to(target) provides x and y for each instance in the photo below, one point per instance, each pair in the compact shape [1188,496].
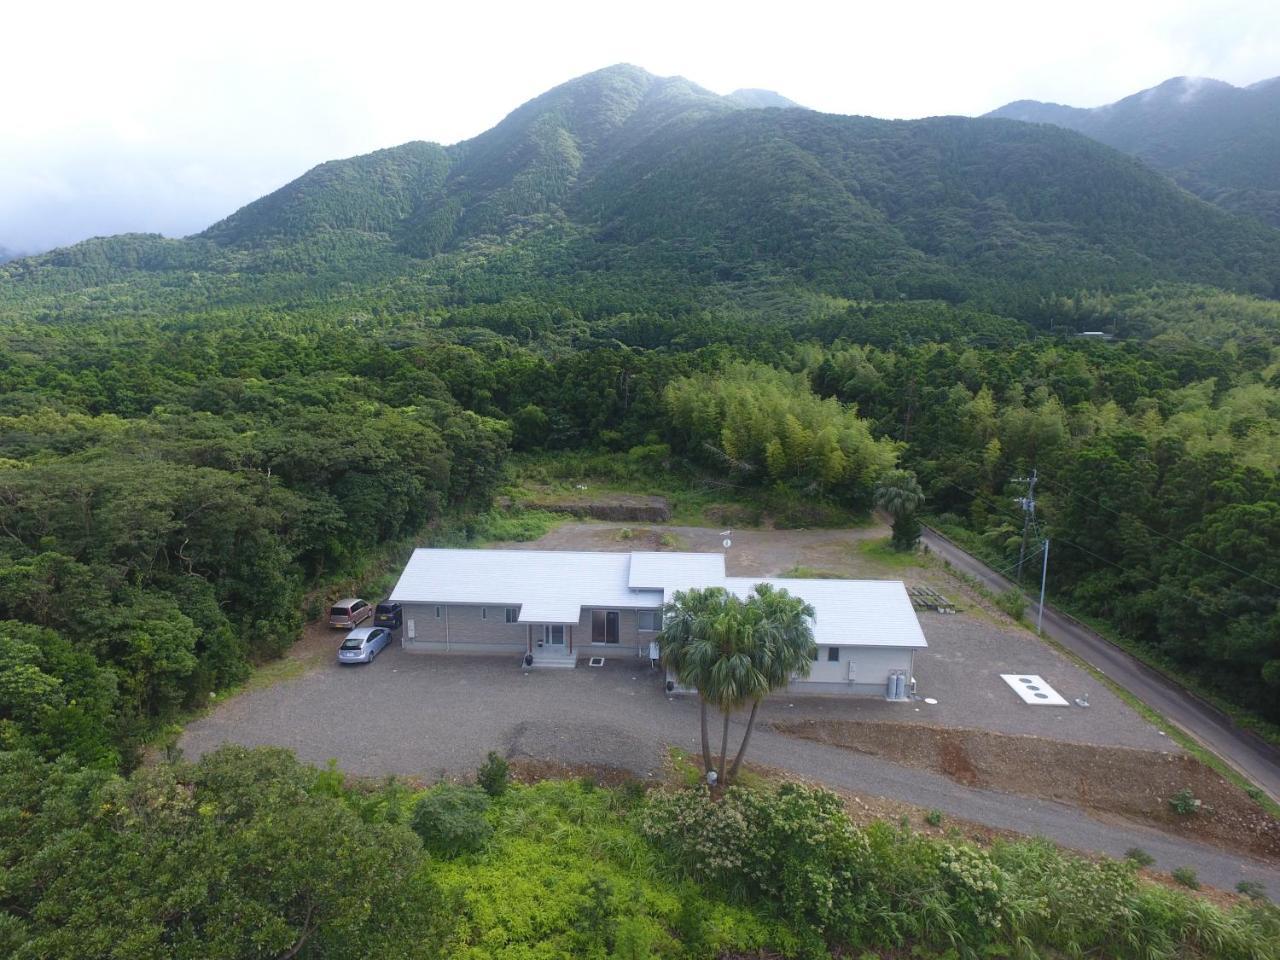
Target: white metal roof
[549,581]
[850,613]
[552,586]
[660,571]
[550,610]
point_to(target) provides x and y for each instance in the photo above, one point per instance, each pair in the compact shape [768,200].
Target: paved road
[437,716]
[1249,754]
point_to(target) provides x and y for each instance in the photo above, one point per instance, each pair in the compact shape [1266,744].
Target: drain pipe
[446,628]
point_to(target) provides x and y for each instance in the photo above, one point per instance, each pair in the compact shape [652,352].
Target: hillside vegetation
[634,273]
[1219,141]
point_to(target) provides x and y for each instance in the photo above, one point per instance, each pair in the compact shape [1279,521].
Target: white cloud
[163,116]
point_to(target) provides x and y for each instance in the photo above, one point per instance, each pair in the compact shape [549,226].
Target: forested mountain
[660,183]
[1219,141]
[754,97]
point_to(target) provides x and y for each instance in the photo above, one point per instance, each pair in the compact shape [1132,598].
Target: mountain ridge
[654,181]
[1219,141]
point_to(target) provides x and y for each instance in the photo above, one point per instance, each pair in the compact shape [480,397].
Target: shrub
[494,775]
[933,818]
[634,939]
[452,820]
[785,847]
[1252,889]
[1185,876]
[1139,856]
[1184,803]
[1013,603]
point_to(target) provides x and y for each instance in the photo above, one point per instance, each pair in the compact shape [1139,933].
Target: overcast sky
[135,116]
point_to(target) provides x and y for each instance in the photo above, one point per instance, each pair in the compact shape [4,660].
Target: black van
[388,615]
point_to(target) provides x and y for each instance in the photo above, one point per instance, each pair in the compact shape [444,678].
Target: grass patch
[811,573]
[881,552]
[567,874]
[514,525]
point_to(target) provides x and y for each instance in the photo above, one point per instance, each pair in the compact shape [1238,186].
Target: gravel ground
[431,716]
[967,651]
[961,670]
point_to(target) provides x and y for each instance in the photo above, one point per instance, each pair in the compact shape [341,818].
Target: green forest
[195,433]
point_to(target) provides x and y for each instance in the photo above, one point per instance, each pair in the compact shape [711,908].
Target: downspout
[446,628]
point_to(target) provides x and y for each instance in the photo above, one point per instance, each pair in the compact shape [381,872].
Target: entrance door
[553,638]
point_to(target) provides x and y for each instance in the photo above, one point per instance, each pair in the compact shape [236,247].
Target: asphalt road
[1249,754]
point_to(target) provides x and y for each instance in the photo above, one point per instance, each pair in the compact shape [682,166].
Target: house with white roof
[551,607]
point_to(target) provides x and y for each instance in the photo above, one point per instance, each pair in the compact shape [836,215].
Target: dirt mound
[1136,784]
[608,506]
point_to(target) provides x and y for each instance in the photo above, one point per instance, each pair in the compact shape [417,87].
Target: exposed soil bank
[1109,780]
[609,506]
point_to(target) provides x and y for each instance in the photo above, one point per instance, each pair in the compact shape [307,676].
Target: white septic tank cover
[1033,690]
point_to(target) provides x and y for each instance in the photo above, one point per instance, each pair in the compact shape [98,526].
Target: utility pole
[1044,575]
[1028,505]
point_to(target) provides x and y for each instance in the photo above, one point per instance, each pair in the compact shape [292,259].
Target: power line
[1158,533]
[1058,538]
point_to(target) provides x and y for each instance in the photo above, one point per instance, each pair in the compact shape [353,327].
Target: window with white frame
[649,620]
[833,654]
[513,614]
[439,612]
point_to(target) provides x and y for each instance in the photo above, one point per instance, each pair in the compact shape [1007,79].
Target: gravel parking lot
[432,716]
[961,670]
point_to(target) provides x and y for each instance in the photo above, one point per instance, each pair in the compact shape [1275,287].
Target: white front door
[553,638]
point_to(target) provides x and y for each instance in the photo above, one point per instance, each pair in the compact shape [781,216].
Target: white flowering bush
[794,848]
[977,887]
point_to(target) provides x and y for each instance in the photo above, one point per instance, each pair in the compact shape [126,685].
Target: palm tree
[783,627]
[898,494]
[734,652]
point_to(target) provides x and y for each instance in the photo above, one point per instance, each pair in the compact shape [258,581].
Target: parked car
[363,644]
[388,615]
[349,613]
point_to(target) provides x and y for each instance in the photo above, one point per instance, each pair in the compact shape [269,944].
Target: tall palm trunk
[706,735]
[746,738]
[724,747]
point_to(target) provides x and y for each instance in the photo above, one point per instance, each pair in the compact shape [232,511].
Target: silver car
[363,644]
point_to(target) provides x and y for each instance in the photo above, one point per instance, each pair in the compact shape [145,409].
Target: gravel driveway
[430,716]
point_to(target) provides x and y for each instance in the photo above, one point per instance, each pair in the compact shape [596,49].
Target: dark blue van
[388,615]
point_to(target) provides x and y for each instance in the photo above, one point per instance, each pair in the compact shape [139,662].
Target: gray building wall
[872,666]
[460,628]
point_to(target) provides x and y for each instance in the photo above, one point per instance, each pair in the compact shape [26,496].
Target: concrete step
[554,662]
